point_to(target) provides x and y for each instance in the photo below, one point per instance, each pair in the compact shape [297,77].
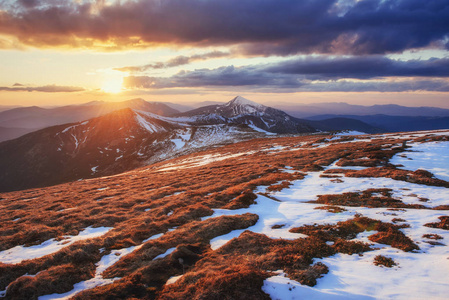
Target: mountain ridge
[243,111]
[106,145]
[342,108]
[394,123]
[35,118]
[129,138]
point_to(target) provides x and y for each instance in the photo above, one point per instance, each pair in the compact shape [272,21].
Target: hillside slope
[295,217]
[107,145]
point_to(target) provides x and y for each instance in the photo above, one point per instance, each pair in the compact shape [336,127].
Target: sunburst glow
[113,82]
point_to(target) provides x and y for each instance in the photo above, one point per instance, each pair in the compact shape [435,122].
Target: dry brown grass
[145,202]
[241,281]
[387,233]
[395,238]
[397,174]
[443,224]
[242,201]
[332,208]
[381,260]
[433,236]
[368,198]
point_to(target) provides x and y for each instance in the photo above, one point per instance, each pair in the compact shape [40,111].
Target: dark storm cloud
[17,87]
[379,86]
[231,78]
[264,27]
[224,76]
[29,3]
[303,74]
[174,62]
[361,67]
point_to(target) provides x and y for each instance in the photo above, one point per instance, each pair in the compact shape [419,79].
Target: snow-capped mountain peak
[240,101]
[243,111]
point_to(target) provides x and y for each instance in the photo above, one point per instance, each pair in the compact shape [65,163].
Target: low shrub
[381,260]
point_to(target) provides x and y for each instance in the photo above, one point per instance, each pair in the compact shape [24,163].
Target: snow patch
[349,132]
[147,125]
[166,253]
[179,143]
[19,253]
[255,128]
[432,156]
[173,279]
[200,161]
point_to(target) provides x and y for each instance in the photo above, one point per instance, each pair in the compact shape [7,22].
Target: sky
[60,52]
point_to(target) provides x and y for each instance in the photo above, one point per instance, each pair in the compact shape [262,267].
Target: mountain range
[29,119]
[129,138]
[103,139]
[340,108]
[387,123]
[15,122]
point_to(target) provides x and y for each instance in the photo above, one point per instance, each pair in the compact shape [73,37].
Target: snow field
[419,275]
[433,157]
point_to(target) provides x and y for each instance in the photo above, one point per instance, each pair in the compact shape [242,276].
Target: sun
[113,83]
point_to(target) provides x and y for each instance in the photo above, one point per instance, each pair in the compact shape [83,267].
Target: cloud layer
[361,67]
[373,73]
[17,87]
[265,27]
[174,62]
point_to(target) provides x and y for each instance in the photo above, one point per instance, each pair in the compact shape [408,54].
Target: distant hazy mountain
[395,123]
[342,123]
[308,110]
[205,103]
[7,107]
[34,118]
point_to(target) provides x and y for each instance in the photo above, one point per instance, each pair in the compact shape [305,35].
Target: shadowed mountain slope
[107,145]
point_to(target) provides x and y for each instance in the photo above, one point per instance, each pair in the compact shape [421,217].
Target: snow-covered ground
[419,275]
[433,157]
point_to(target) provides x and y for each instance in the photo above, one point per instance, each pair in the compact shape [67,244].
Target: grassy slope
[148,201]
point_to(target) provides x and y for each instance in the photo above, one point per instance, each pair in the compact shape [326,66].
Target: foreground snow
[433,157]
[419,275]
